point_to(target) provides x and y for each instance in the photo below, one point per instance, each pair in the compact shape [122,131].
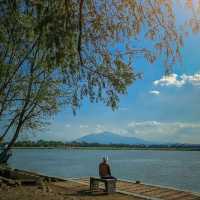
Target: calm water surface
[170,168]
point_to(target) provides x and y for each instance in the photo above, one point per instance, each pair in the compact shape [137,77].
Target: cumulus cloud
[166,131]
[67,125]
[99,128]
[109,128]
[143,123]
[193,79]
[154,92]
[170,80]
[178,81]
[84,126]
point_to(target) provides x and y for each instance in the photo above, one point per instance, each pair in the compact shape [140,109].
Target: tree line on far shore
[74,144]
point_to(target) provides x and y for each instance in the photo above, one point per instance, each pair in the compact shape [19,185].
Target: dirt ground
[51,191]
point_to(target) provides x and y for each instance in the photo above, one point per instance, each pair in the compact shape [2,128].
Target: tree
[55,53]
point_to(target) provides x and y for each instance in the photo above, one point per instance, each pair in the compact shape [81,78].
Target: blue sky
[156,108]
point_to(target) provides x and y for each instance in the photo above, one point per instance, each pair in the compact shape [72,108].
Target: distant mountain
[110,138]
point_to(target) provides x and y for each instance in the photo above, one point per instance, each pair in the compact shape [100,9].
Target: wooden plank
[138,195]
[29,181]
[129,189]
[166,194]
[147,190]
[154,192]
[8,181]
[130,186]
[142,189]
[177,196]
[150,190]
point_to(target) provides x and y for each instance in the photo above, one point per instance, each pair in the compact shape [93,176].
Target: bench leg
[110,187]
[94,185]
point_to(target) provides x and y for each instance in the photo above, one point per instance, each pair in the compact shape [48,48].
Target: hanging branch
[80,30]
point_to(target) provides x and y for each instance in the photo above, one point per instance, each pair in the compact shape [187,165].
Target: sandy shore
[71,191]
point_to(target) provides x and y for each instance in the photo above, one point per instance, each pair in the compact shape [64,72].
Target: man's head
[104,160]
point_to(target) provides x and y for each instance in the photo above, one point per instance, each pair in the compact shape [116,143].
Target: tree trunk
[5,154]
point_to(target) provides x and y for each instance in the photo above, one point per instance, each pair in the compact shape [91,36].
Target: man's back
[104,170]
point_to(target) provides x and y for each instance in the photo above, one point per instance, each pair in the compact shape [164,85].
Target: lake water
[170,168]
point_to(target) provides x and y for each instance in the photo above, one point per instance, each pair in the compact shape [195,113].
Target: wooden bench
[110,184]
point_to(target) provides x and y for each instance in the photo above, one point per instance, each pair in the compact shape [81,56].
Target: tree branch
[80,30]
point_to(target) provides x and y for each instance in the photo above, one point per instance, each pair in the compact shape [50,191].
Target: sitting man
[104,170]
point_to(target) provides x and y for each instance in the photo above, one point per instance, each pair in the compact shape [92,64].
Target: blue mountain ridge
[111,138]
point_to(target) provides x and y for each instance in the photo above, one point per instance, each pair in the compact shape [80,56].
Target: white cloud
[99,128]
[67,125]
[171,80]
[178,81]
[192,79]
[143,123]
[154,92]
[120,131]
[166,131]
[114,129]
[84,126]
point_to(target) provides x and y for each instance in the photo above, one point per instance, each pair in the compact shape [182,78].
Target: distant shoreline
[114,148]
[42,144]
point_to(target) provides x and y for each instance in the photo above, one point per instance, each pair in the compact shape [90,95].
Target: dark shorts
[108,177]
